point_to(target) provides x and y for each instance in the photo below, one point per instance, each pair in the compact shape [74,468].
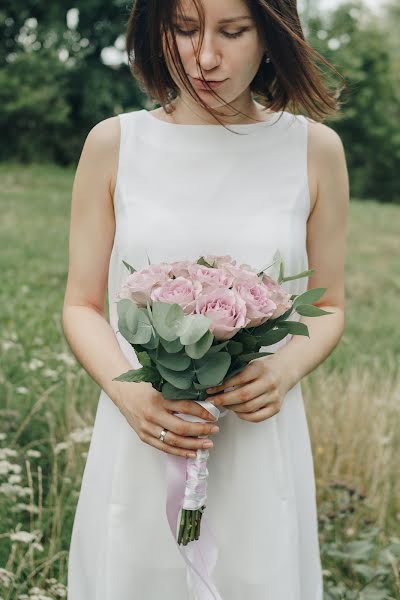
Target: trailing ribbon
[200,555]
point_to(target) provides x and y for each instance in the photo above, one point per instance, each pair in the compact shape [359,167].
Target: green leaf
[211,369]
[167,319]
[218,347]
[201,347]
[272,337]
[294,327]
[128,266]
[192,328]
[172,393]
[234,348]
[144,359]
[144,374]
[175,362]
[299,275]
[181,379]
[309,310]
[144,331]
[309,297]
[171,347]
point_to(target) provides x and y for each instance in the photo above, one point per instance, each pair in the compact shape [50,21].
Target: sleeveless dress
[183,191]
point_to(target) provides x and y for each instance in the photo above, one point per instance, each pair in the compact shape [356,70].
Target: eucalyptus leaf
[201,347]
[145,330]
[218,347]
[234,348]
[192,328]
[175,362]
[212,368]
[181,380]
[171,347]
[167,319]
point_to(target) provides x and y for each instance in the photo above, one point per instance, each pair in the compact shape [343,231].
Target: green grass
[352,399]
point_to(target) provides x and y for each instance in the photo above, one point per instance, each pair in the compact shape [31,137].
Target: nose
[209,55]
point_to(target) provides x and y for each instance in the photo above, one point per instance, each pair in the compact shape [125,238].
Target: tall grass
[47,402]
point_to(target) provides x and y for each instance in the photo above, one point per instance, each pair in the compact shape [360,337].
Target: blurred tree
[357,44]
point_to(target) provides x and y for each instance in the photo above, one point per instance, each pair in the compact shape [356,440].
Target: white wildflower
[33,453]
[61,446]
[8,452]
[81,435]
[15,479]
[30,508]
[7,345]
[5,467]
[66,358]
[6,577]
[22,390]
[35,363]
[58,589]
[3,436]
[16,468]
[50,373]
[22,536]
[24,491]
[37,546]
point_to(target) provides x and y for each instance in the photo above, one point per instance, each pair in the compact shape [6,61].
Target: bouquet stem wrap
[187,488]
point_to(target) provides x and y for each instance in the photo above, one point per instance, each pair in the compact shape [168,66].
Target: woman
[211,171]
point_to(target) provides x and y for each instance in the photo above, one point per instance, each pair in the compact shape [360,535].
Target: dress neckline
[206,137]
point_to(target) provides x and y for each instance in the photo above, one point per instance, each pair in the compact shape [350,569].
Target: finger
[156,443]
[189,407]
[251,406]
[177,441]
[183,428]
[260,415]
[248,374]
[242,394]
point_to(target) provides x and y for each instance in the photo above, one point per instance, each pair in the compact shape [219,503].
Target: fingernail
[214,429]
[208,444]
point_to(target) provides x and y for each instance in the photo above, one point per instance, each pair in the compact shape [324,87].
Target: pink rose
[180,268]
[180,291]
[278,295]
[216,261]
[138,285]
[209,276]
[241,274]
[259,305]
[226,309]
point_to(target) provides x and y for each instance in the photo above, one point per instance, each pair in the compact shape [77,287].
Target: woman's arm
[326,242]
[92,230]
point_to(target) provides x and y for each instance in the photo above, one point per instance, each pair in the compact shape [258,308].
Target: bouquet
[194,324]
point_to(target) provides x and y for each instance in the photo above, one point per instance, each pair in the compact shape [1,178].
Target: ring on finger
[162,435]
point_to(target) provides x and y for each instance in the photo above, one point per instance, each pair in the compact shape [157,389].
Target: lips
[212,83]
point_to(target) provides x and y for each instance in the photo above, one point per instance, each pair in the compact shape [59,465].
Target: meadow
[48,402]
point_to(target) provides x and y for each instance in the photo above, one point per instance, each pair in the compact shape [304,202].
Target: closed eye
[236,34]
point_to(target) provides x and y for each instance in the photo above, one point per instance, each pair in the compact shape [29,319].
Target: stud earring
[267,59]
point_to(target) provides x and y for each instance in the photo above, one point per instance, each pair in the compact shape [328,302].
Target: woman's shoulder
[103,142]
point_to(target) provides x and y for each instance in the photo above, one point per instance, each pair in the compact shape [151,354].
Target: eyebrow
[229,20]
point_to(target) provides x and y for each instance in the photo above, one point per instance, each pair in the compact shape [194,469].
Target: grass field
[47,401]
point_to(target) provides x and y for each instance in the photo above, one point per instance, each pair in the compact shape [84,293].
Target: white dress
[183,191]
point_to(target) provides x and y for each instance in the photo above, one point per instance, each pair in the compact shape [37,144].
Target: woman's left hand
[263,386]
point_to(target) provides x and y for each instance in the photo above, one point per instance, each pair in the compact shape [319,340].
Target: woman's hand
[262,388]
[148,413]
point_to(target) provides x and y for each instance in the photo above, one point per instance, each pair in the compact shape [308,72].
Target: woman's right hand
[148,413]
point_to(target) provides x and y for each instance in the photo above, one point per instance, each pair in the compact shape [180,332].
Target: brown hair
[292,78]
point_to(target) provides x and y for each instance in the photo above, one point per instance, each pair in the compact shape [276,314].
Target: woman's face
[231,51]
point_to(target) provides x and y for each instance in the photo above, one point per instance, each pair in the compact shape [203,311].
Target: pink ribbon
[200,555]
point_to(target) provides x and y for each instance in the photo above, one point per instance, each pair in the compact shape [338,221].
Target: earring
[267,59]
